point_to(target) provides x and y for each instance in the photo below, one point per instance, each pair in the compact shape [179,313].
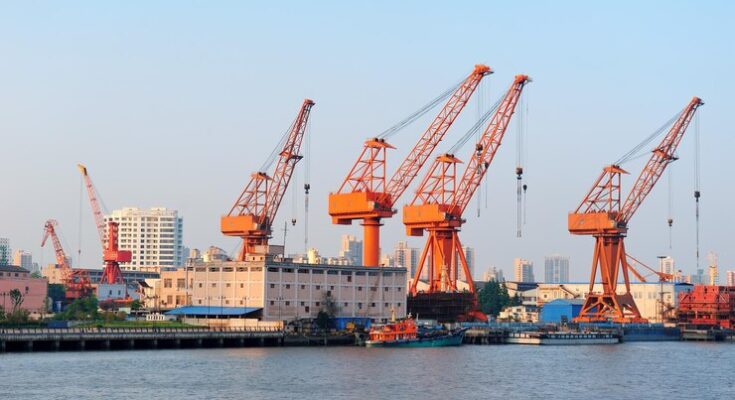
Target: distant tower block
[713,273]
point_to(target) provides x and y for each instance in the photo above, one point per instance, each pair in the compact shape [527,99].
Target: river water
[667,370]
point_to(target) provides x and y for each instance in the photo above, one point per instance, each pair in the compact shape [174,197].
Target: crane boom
[252,215]
[603,215]
[487,146]
[662,156]
[77,282]
[49,231]
[99,219]
[434,134]
[439,202]
[364,194]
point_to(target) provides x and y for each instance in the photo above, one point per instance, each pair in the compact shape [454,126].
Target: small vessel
[562,338]
[405,333]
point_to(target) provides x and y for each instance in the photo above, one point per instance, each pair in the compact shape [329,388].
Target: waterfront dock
[78,339]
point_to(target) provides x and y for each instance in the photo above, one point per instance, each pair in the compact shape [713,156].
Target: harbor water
[650,370]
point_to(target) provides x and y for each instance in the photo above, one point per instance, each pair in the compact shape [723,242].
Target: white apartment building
[523,270]
[556,269]
[153,235]
[730,278]
[287,291]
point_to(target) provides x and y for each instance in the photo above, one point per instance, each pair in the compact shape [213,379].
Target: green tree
[16,299]
[493,298]
[136,305]
[84,309]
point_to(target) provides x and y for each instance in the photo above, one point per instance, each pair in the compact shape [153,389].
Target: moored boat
[562,338]
[405,333]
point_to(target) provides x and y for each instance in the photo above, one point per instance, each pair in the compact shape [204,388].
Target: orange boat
[405,333]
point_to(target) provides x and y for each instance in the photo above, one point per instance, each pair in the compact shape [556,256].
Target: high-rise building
[23,259]
[469,255]
[386,260]
[493,274]
[523,270]
[556,269]
[407,257]
[730,278]
[5,251]
[351,249]
[666,265]
[153,235]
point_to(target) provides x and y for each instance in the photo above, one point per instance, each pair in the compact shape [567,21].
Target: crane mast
[364,195]
[112,256]
[440,201]
[603,215]
[251,217]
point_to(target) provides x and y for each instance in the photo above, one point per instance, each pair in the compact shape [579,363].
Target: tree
[493,298]
[16,299]
[135,305]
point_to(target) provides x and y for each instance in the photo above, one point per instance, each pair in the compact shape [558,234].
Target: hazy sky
[175,103]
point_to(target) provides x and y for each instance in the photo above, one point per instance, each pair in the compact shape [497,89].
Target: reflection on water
[630,370]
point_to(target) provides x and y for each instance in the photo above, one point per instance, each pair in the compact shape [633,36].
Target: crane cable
[635,152]
[670,219]
[307,185]
[418,113]
[697,192]
[520,186]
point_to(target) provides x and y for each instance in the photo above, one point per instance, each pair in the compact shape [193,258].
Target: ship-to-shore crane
[364,195]
[440,200]
[604,216]
[251,217]
[111,254]
[76,282]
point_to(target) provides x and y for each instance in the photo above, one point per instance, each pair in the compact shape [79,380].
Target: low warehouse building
[286,291]
[560,310]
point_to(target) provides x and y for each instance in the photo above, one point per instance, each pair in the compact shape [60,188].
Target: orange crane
[440,200]
[77,282]
[111,254]
[365,195]
[604,216]
[252,215]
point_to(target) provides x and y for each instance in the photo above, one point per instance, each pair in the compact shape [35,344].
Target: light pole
[280,300]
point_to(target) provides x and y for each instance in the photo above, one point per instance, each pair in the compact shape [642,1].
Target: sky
[174,104]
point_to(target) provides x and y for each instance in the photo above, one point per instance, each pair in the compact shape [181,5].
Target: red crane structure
[440,200]
[365,195]
[77,282]
[603,215]
[111,254]
[252,216]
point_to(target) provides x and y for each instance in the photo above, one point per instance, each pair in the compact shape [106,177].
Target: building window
[242,285]
[306,308]
[386,289]
[386,304]
[318,287]
[345,304]
[372,304]
[228,285]
[302,303]
[180,283]
[200,284]
[214,284]
[288,286]
[273,302]
[303,286]
[359,305]
[273,285]
[199,301]
[359,288]
[317,304]
[399,289]
[288,303]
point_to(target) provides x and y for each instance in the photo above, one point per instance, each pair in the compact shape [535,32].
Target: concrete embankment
[80,339]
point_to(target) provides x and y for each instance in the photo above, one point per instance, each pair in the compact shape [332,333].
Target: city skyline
[220,116]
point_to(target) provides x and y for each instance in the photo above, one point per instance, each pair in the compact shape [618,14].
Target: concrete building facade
[351,248]
[556,269]
[730,278]
[153,235]
[23,259]
[33,290]
[169,291]
[523,270]
[406,257]
[288,291]
[5,252]
[469,255]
